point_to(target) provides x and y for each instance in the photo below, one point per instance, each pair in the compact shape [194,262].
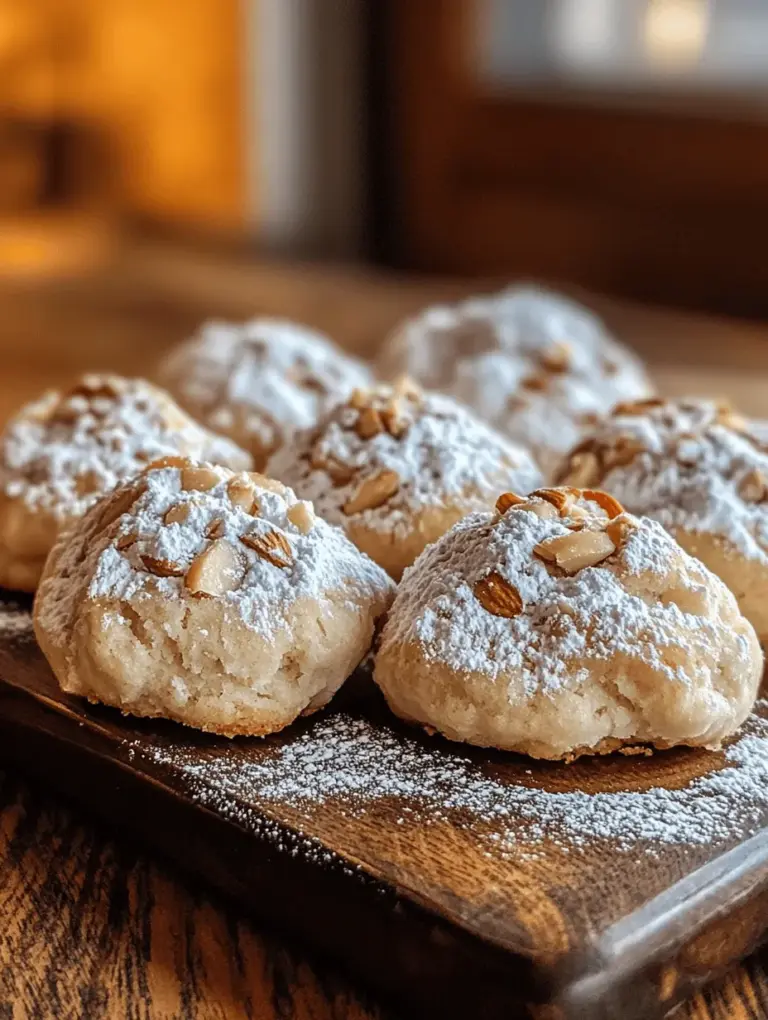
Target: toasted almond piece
[508,499]
[161,567]
[754,486]
[65,413]
[92,385]
[340,474]
[557,358]
[373,492]
[541,508]
[393,420]
[216,528]
[623,452]
[242,493]
[583,469]
[575,551]
[119,503]
[617,530]
[177,514]
[497,596]
[270,484]
[369,423]
[302,515]
[126,541]
[605,501]
[534,382]
[199,478]
[560,499]
[171,461]
[272,546]
[358,399]
[405,387]
[632,407]
[215,571]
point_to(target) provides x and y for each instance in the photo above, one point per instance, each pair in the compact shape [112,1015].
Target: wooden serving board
[462,882]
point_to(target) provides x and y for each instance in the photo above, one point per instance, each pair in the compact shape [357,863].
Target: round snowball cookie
[396,468]
[62,453]
[215,599]
[538,367]
[700,470]
[259,382]
[561,626]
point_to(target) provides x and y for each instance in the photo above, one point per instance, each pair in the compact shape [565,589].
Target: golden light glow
[675,32]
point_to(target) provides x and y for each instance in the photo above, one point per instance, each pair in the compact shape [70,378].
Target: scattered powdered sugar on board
[691,465]
[352,764]
[442,455]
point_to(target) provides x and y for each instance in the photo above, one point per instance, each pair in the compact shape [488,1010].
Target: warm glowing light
[675,31]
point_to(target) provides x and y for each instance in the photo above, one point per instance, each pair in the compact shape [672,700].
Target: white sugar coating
[61,453]
[262,379]
[323,561]
[568,622]
[692,470]
[350,763]
[444,456]
[491,352]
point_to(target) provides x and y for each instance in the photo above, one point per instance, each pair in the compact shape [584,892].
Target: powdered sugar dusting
[351,763]
[63,452]
[690,468]
[537,366]
[443,457]
[262,380]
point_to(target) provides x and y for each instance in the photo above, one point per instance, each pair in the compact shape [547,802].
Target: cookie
[63,452]
[538,367]
[396,468]
[699,469]
[215,599]
[561,626]
[261,381]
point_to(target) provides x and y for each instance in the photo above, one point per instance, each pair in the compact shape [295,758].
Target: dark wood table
[93,927]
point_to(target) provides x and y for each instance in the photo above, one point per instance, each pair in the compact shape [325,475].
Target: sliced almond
[508,499]
[340,474]
[542,508]
[405,387]
[216,528]
[272,546]
[369,423]
[215,571]
[270,484]
[754,486]
[605,501]
[358,399]
[96,386]
[557,358]
[373,492]
[394,422]
[301,515]
[199,478]
[161,567]
[168,462]
[622,452]
[560,499]
[497,596]
[242,493]
[617,530]
[534,382]
[577,550]
[633,407]
[177,514]
[124,542]
[584,469]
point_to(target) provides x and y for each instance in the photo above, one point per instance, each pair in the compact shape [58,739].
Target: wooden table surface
[91,926]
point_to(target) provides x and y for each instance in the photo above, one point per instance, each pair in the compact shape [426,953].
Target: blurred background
[163,160]
[617,144]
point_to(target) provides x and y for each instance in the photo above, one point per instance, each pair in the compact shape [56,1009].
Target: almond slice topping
[508,499]
[242,493]
[161,567]
[559,498]
[177,514]
[270,484]
[301,515]
[584,469]
[754,486]
[216,528]
[369,423]
[168,462]
[577,550]
[631,407]
[373,492]
[358,399]
[393,421]
[215,571]
[272,546]
[557,358]
[497,596]
[605,501]
[126,541]
[199,478]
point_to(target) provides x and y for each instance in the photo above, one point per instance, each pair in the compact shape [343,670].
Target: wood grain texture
[124,320]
